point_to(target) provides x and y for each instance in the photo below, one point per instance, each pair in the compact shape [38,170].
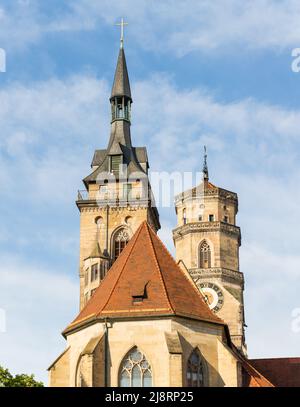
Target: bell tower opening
[120,108]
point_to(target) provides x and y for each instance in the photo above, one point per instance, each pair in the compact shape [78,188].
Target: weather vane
[122,24]
[205,167]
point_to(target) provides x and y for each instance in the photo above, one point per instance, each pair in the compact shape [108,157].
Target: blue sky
[215,73]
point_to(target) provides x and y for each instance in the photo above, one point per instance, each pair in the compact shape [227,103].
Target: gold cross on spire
[122,24]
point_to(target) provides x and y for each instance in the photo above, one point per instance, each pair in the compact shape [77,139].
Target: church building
[145,318]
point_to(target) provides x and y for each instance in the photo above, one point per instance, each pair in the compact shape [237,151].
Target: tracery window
[204,255]
[135,370]
[195,370]
[120,241]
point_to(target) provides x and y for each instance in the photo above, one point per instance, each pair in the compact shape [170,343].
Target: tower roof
[96,252]
[121,86]
[145,281]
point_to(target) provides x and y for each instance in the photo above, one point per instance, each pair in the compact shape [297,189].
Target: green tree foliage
[19,380]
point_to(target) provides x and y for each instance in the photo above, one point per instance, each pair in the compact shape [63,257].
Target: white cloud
[202,25]
[190,26]
[49,126]
[20,24]
[39,303]
[271,295]
[185,120]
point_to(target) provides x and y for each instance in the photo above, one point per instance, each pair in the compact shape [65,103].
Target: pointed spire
[96,250]
[121,86]
[205,167]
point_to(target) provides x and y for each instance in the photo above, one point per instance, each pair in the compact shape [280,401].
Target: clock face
[213,295]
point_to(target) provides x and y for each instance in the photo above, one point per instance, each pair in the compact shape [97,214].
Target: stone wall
[167,344]
[59,371]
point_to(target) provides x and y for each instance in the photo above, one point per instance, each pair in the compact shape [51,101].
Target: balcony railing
[83,195]
[134,197]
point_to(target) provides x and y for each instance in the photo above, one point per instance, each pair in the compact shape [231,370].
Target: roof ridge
[280,357]
[158,266]
[117,280]
[257,373]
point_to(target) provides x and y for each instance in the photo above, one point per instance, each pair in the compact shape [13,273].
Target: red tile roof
[145,267]
[251,376]
[282,372]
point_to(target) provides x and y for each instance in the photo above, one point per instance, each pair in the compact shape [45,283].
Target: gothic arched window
[195,370]
[135,370]
[120,241]
[204,255]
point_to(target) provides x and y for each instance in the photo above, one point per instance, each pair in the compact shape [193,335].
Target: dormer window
[137,299]
[139,293]
[115,163]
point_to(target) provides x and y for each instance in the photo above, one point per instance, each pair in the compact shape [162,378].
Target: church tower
[142,321]
[117,196]
[207,242]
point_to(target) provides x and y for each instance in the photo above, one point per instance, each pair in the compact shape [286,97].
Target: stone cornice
[199,227]
[219,272]
[90,203]
[93,205]
[200,193]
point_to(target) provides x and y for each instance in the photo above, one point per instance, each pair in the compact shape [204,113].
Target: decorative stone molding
[115,203]
[216,272]
[200,193]
[198,227]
